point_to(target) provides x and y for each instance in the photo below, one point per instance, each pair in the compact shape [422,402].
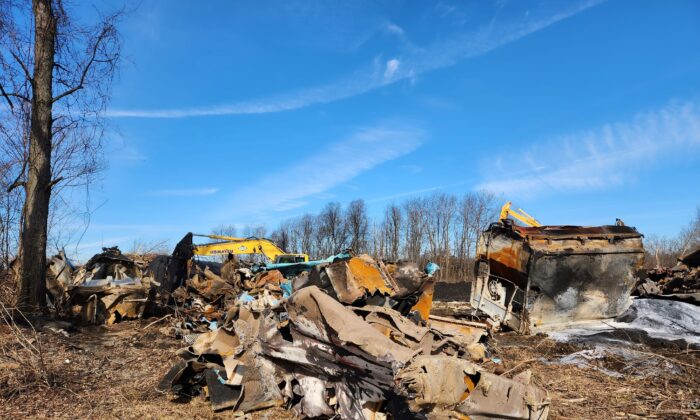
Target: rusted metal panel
[532,277]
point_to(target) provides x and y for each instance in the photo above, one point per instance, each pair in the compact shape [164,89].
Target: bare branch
[55,181]
[22,64]
[7,98]
[18,182]
[100,38]
[19,95]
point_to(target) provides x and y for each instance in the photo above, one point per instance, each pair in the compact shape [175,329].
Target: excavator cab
[291,258]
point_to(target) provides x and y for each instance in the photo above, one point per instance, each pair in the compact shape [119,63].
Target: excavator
[518,214]
[243,246]
[177,265]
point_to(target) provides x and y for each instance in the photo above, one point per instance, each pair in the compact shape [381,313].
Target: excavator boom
[518,214]
[243,246]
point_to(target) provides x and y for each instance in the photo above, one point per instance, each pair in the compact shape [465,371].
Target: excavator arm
[518,214]
[243,246]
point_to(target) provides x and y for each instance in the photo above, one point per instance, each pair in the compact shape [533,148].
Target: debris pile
[350,337]
[347,336]
[203,299]
[108,288]
[681,282]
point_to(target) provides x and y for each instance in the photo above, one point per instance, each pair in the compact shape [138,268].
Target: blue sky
[252,112]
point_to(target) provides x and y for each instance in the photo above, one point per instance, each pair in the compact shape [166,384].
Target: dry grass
[588,393]
[108,372]
[112,372]
[22,358]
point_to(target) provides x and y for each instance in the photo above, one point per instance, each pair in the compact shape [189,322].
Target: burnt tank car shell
[531,277]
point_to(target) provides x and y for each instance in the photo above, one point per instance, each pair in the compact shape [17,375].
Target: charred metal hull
[532,277]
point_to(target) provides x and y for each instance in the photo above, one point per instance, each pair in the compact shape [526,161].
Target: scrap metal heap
[108,288]
[681,282]
[348,337]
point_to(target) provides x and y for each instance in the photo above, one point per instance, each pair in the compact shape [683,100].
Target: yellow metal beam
[518,214]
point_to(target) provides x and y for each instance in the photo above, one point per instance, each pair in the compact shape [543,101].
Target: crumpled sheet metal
[108,303]
[314,355]
[447,387]
[224,361]
[361,279]
[319,316]
[356,278]
[109,264]
[108,288]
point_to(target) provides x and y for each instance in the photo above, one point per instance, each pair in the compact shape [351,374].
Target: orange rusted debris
[269,277]
[367,275]
[425,301]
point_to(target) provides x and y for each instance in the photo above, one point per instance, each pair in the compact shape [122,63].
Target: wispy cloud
[610,155]
[395,29]
[416,62]
[405,194]
[185,192]
[296,185]
[392,66]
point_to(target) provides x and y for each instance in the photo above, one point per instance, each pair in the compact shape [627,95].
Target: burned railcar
[533,277]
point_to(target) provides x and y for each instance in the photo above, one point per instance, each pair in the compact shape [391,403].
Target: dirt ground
[112,372]
[588,393]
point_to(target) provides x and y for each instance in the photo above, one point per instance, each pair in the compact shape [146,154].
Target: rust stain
[465,330]
[367,276]
[470,387]
[508,257]
[425,302]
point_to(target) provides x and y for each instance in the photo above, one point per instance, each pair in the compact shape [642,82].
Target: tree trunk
[38,187]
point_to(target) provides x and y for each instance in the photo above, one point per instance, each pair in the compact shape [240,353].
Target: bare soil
[112,372]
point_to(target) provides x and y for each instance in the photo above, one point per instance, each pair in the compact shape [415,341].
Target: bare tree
[331,233]
[663,251]
[414,232]
[475,211]
[225,230]
[283,236]
[357,224]
[256,231]
[463,230]
[393,220]
[56,74]
[377,241]
[304,230]
[438,218]
[143,248]
[689,237]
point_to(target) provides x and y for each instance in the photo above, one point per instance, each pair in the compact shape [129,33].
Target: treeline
[443,228]
[664,251]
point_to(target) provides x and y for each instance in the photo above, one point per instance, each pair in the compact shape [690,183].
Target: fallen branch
[519,365]
[669,359]
[156,321]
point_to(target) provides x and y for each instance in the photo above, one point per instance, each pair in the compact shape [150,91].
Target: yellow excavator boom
[243,246]
[518,214]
